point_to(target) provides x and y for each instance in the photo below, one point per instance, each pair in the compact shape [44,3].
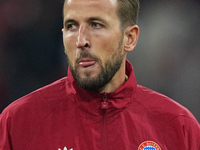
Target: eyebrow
[90,19]
[96,19]
[68,21]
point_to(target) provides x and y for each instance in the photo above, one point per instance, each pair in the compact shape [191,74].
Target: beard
[112,65]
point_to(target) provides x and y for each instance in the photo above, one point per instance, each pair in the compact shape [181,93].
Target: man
[99,105]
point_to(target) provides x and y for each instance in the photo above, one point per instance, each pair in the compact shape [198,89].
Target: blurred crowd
[166,59]
[31,52]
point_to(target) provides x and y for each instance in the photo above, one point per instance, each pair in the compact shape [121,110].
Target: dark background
[166,59]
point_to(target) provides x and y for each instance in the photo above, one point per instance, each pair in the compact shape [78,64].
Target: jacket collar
[90,101]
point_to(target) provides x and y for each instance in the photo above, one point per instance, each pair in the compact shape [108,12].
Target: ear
[131,37]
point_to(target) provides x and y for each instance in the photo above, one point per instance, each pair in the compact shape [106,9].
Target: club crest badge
[149,145]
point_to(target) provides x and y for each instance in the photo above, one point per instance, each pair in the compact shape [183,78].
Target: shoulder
[41,99]
[170,117]
[159,104]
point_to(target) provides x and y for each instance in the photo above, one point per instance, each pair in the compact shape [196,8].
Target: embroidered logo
[65,148]
[149,145]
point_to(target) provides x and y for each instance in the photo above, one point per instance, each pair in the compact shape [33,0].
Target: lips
[87,62]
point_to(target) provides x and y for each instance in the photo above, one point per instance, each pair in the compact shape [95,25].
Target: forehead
[111,1]
[90,7]
[94,2]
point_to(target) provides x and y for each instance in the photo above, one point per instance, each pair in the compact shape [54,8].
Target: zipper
[104,106]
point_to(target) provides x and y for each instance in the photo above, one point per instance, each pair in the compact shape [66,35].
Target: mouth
[86,62]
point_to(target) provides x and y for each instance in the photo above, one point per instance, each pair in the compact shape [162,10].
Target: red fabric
[62,116]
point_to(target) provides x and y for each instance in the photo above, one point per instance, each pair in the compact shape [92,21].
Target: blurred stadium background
[166,59]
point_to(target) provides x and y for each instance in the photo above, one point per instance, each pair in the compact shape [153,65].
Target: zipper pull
[104,104]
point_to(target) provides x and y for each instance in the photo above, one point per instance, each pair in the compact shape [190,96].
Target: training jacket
[63,116]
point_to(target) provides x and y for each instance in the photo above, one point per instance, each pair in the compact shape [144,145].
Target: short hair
[127,11]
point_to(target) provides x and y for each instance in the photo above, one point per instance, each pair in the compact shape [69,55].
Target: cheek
[109,47]
[69,42]
[70,47]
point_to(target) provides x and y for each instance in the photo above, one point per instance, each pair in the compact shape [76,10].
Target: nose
[82,40]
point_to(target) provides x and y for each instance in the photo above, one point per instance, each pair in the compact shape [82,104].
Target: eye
[96,25]
[71,26]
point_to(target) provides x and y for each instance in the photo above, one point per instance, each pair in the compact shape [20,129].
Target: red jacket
[62,116]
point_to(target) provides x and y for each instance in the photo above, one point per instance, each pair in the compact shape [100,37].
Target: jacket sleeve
[191,132]
[5,141]
[183,132]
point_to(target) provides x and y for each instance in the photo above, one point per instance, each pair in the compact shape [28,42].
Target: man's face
[93,41]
